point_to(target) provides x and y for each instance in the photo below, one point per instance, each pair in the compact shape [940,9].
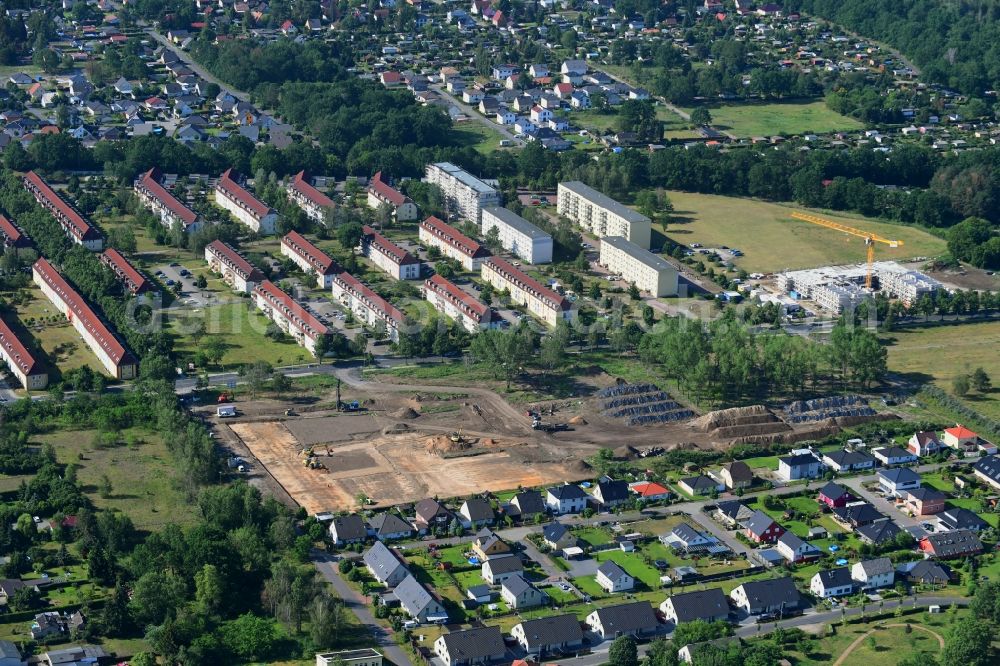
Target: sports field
[772,241]
[747,120]
[942,353]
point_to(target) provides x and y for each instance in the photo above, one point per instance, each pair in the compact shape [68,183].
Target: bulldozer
[456,437]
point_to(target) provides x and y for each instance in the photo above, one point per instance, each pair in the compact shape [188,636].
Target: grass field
[747,120]
[941,353]
[479,136]
[890,643]
[772,241]
[60,341]
[143,481]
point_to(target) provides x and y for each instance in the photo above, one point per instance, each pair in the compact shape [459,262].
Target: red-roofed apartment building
[453,243]
[367,306]
[291,317]
[380,192]
[455,303]
[388,256]
[12,234]
[20,361]
[78,229]
[245,207]
[134,281]
[310,258]
[313,202]
[162,202]
[236,271]
[116,359]
[541,302]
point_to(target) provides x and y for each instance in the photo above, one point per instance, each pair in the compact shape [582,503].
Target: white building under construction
[839,288]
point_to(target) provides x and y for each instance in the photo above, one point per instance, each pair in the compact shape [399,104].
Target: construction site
[839,288]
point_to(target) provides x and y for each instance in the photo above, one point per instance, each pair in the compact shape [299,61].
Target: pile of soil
[735,416]
[579,466]
[577,420]
[731,432]
[442,445]
[624,452]
[395,429]
[789,437]
[405,413]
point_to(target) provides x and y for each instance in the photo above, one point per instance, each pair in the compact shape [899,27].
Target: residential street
[473,114]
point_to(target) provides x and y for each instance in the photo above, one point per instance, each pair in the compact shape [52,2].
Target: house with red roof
[244,206]
[388,256]
[452,243]
[310,258]
[288,28]
[134,281]
[20,361]
[289,315]
[540,301]
[455,303]
[382,193]
[961,439]
[649,491]
[390,79]
[79,230]
[155,104]
[12,235]
[236,271]
[161,201]
[370,308]
[314,203]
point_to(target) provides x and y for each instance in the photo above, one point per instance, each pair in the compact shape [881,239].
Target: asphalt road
[474,114]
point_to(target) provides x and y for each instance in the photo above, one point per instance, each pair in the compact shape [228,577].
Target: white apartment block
[367,306]
[113,355]
[453,243]
[245,207]
[313,202]
[380,192]
[309,258]
[388,256]
[542,302]
[455,303]
[161,201]
[236,271]
[600,215]
[19,360]
[638,266]
[291,317]
[360,657]
[518,236]
[465,194]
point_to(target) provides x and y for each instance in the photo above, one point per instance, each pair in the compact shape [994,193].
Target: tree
[700,116]
[623,652]
[281,383]
[104,487]
[250,637]
[209,588]
[256,375]
[505,352]
[980,381]
[122,239]
[968,643]
[215,349]
[552,351]
[349,235]
[960,385]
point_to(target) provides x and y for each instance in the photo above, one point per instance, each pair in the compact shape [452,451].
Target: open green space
[54,334]
[479,136]
[938,354]
[772,241]
[784,118]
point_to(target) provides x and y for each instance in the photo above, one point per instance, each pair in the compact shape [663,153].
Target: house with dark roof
[701,485]
[613,578]
[476,512]
[925,501]
[795,550]
[947,545]
[878,533]
[479,645]
[689,540]
[873,574]
[856,515]
[762,528]
[385,565]
[548,635]
[489,545]
[518,593]
[709,605]
[834,495]
[961,519]
[611,493]
[799,466]
[418,603]
[529,504]
[925,572]
[848,461]
[832,583]
[431,514]
[10,655]
[898,480]
[772,595]
[389,526]
[736,475]
[499,569]
[924,443]
[558,536]
[348,529]
[567,498]
[987,469]
[632,619]
[732,512]
[894,455]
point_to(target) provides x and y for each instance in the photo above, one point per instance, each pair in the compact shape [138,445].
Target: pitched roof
[382,559]
[925,571]
[893,452]
[552,630]
[858,513]
[898,475]
[628,618]
[567,491]
[799,460]
[452,236]
[122,267]
[956,542]
[839,577]
[924,494]
[880,531]
[301,185]
[413,596]
[15,350]
[428,509]
[554,531]
[771,592]
[320,261]
[530,502]
[611,570]
[12,233]
[739,471]
[833,491]
[989,466]
[552,298]
[474,644]
[363,292]
[291,310]
[877,566]
[650,489]
[233,190]
[700,604]
[686,533]
[516,585]
[389,523]
[732,509]
[960,432]
[699,482]
[759,522]
[504,564]
[234,260]
[150,181]
[461,299]
[958,518]
[849,458]
[350,527]
[794,542]
[613,491]
[387,247]
[924,437]
[78,226]
[386,192]
[478,509]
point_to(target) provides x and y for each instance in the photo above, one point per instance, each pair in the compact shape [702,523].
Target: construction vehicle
[869,238]
[353,406]
[289,412]
[223,397]
[456,437]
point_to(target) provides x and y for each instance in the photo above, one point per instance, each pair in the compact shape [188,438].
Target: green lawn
[479,136]
[759,119]
[772,241]
[593,536]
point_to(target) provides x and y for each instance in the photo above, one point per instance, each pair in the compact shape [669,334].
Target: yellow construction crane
[870,238]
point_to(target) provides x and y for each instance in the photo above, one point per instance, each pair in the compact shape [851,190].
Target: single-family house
[611,493]
[799,466]
[636,619]
[701,485]
[834,495]
[10,655]
[567,498]
[772,595]
[613,578]
[762,528]
[499,569]
[961,439]
[848,461]
[650,491]
[476,512]
[479,645]
[832,583]
[385,565]
[548,635]
[708,605]
[923,443]
[894,455]
[348,529]
[873,574]
[857,514]
[925,501]
[878,533]
[388,526]
[419,604]
[736,475]
[481,594]
[686,538]
[432,514]
[987,469]
[924,572]
[488,545]
[558,536]
[518,593]
[529,504]
[897,481]
[961,519]
[946,545]
[732,512]
[795,549]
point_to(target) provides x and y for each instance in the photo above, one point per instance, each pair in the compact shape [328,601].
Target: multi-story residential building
[314,203]
[236,271]
[366,305]
[647,271]
[388,256]
[455,303]
[20,361]
[114,356]
[381,192]
[291,317]
[79,230]
[600,215]
[518,236]
[310,258]
[161,201]
[541,302]
[465,194]
[245,207]
[12,235]
[134,281]
[453,243]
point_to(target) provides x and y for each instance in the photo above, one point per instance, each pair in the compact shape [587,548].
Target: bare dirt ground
[967,277]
